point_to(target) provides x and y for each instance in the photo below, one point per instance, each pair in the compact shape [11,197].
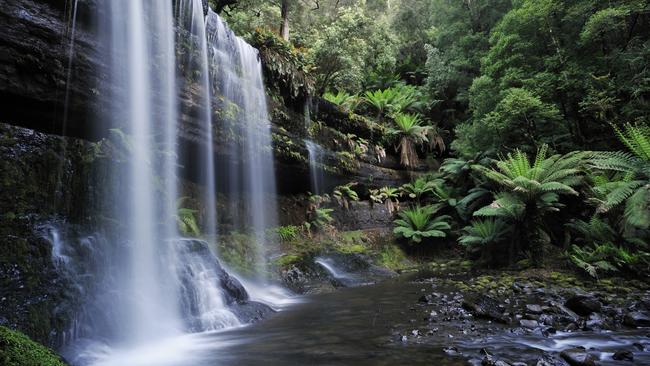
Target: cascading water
[237,85]
[315,153]
[316,175]
[140,284]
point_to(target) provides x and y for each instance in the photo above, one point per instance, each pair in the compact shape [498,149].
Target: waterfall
[141,37]
[239,88]
[137,281]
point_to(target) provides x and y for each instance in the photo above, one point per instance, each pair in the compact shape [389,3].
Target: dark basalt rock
[637,319]
[578,357]
[583,305]
[251,311]
[485,307]
[623,356]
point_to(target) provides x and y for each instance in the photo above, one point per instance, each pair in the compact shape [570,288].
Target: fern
[483,232]
[417,223]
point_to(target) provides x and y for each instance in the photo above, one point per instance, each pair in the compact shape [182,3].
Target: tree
[526,193]
[410,133]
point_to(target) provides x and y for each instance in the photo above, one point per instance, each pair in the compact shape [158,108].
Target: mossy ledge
[16,349]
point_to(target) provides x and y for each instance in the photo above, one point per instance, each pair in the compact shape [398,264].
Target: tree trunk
[284,27]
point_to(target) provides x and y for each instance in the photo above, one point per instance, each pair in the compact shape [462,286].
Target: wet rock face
[33,68]
[362,215]
[40,180]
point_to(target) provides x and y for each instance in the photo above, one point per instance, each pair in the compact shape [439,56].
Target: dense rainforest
[329,182]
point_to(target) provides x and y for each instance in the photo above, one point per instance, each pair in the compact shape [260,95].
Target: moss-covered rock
[16,349]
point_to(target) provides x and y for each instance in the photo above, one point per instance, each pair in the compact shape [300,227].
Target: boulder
[623,356]
[485,307]
[533,309]
[637,319]
[578,357]
[583,305]
[528,324]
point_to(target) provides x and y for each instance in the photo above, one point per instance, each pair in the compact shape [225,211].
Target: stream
[374,325]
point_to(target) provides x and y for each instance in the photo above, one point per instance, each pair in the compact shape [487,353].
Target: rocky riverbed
[532,318]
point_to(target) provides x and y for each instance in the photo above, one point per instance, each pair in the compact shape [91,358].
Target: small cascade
[202,279]
[316,174]
[316,153]
[239,91]
[330,267]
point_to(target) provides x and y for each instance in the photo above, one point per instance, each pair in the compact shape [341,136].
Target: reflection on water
[361,326]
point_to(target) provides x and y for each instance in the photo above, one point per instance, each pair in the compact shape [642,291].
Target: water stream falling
[142,287]
[315,153]
[239,91]
[316,173]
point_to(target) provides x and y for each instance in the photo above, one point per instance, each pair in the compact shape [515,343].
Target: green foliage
[344,100]
[410,133]
[287,67]
[529,191]
[389,196]
[607,258]
[16,349]
[345,194]
[322,218]
[418,189]
[186,219]
[484,232]
[417,223]
[288,233]
[631,186]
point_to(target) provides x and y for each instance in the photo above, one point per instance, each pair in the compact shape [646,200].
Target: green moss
[239,252]
[16,349]
[392,257]
[287,260]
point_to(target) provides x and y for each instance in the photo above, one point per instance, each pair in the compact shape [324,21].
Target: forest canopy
[516,95]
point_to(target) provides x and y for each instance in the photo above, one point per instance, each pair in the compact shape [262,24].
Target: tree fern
[530,191]
[483,232]
[631,187]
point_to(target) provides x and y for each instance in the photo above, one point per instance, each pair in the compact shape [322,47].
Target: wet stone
[534,309]
[529,324]
[578,357]
[637,319]
[583,305]
[623,356]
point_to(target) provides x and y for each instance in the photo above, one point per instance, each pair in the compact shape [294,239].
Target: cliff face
[35,50]
[41,69]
